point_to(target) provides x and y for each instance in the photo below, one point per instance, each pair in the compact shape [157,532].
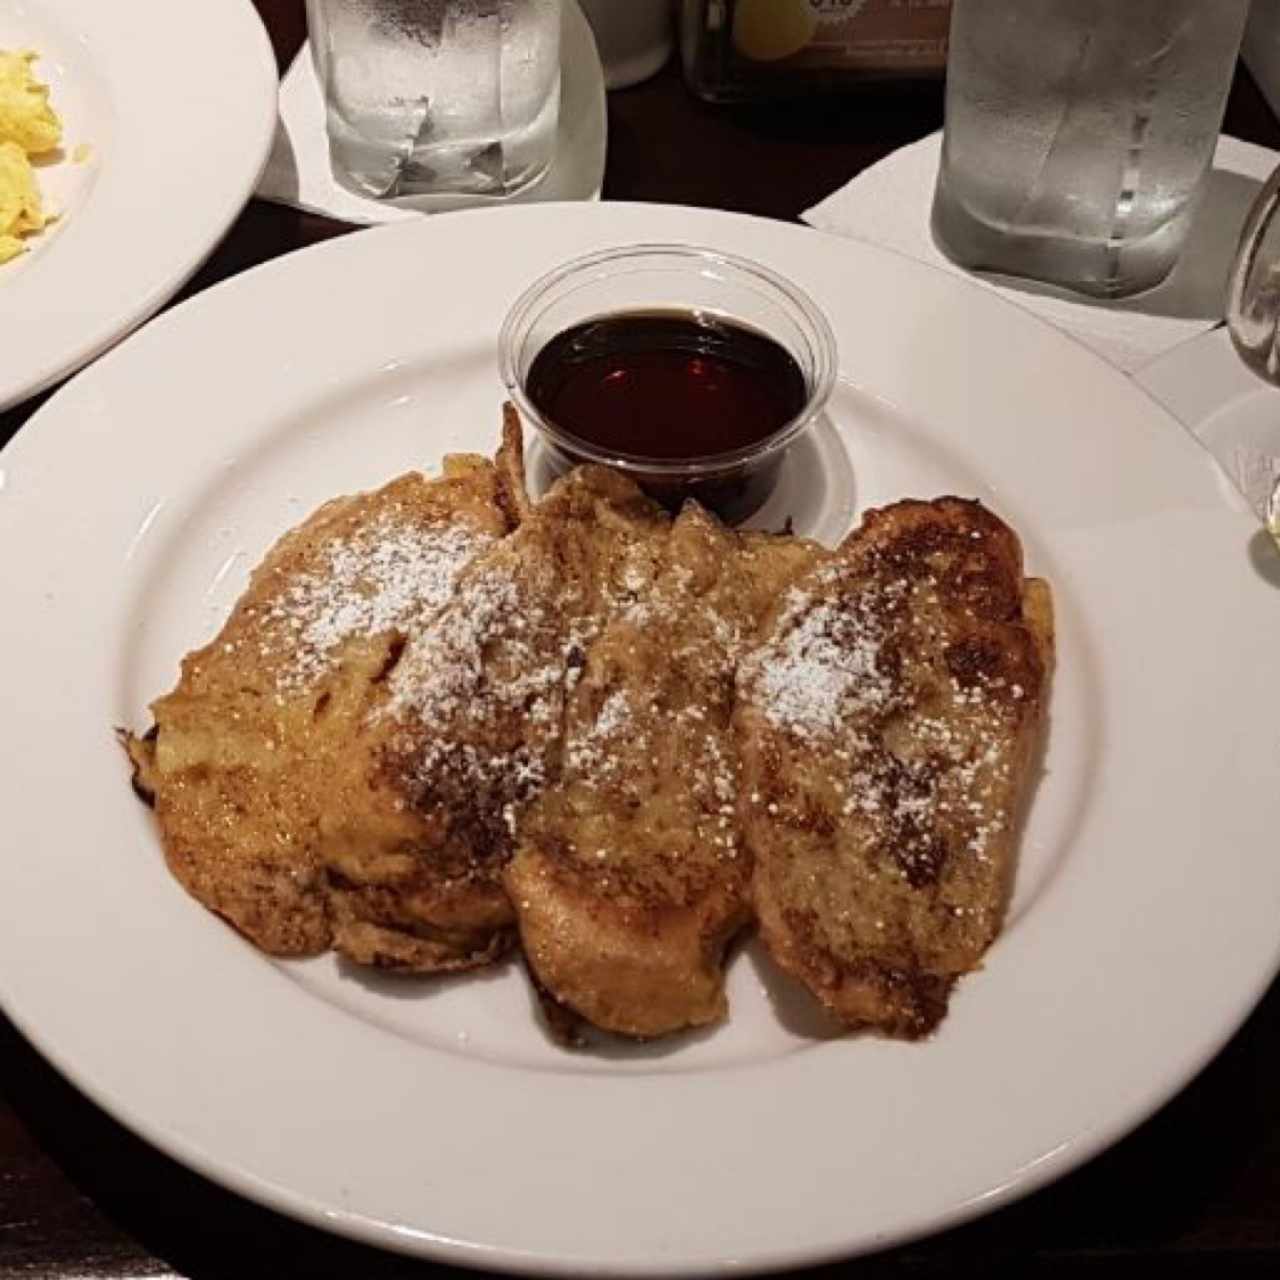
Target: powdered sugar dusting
[827,667]
[922,765]
[480,656]
[390,574]
[589,753]
[478,696]
[947,771]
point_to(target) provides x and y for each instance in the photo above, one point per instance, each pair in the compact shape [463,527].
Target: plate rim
[476,1253]
[240,110]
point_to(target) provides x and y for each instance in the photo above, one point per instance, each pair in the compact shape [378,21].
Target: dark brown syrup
[672,386]
[666,385]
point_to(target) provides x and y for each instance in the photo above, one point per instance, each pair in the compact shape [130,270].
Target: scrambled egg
[28,126]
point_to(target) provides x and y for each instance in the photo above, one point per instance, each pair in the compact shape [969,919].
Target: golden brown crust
[417,826]
[239,759]
[887,722]
[628,877]
[383,928]
[513,489]
[444,717]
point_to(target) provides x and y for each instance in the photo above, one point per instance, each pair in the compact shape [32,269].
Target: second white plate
[174,107]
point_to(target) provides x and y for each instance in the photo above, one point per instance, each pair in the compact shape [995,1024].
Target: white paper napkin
[298,171]
[889,204]
[1233,413]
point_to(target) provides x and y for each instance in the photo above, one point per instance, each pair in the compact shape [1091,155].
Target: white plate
[437,1118]
[175,106]
[298,171]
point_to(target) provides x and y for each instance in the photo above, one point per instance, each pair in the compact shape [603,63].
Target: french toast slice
[886,722]
[423,802]
[628,877]
[237,761]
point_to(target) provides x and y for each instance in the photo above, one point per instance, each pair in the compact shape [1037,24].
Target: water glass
[1253,306]
[436,96]
[1253,291]
[1079,133]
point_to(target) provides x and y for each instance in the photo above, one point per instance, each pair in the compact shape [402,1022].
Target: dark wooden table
[1195,1191]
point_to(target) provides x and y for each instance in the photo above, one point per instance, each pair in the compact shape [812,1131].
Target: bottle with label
[735,50]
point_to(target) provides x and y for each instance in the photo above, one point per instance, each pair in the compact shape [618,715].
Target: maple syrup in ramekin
[690,370]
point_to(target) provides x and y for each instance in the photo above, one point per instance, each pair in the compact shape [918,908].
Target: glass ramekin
[666,278]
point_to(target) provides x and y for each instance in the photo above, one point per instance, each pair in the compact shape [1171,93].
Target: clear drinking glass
[1253,294]
[428,96]
[1078,135]
[1253,306]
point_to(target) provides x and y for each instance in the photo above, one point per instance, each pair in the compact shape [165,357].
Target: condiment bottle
[737,50]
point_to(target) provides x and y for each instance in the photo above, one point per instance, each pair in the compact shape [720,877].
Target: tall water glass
[433,96]
[1079,133]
